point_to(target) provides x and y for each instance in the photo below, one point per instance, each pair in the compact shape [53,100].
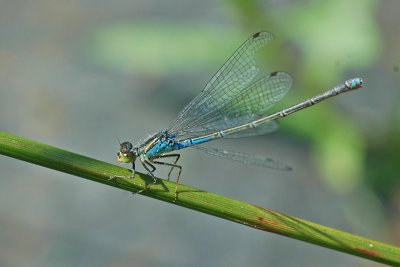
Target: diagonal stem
[196,199]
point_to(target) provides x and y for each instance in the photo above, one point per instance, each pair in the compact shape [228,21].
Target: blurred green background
[81,74]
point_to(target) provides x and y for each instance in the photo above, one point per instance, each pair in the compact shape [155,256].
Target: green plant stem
[199,200]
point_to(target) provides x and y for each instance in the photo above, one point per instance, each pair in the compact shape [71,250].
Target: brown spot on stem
[367,252]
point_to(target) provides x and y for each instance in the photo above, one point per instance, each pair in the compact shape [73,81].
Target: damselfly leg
[172,165]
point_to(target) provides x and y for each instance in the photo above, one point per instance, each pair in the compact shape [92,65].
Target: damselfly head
[126,153]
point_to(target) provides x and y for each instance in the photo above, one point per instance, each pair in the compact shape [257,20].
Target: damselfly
[230,106]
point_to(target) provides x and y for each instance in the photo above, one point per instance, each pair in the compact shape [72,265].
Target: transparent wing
[249,104]
[246,158]
[229,81]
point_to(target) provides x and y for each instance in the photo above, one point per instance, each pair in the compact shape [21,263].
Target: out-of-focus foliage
[160,49]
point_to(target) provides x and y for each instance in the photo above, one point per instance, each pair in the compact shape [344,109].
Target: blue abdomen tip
[354,83]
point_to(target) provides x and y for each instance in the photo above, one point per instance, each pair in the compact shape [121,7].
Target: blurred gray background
[80,74]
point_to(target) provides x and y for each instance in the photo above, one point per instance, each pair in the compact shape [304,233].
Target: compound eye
[126,147]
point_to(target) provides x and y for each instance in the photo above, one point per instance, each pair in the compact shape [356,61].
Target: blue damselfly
[230,106]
